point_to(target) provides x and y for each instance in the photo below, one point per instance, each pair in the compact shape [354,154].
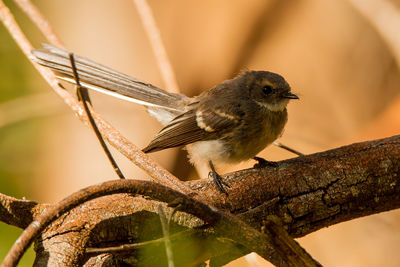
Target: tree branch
[306,193]
[40,21]
[317,190]
[163,63]
[288,252]
[18,212]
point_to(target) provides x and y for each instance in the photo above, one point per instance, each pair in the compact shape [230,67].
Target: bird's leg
[261,163]
[217,179]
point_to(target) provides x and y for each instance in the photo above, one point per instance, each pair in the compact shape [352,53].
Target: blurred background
[340,64]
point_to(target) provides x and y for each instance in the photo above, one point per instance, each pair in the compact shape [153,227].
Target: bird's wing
[195,125]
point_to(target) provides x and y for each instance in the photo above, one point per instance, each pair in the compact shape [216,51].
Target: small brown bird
[230,123]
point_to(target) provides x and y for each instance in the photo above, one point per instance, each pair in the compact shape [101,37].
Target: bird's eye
[267,89]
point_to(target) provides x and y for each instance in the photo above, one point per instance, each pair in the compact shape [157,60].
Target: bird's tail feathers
[108,81]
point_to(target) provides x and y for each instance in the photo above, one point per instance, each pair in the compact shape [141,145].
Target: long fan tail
[108,81]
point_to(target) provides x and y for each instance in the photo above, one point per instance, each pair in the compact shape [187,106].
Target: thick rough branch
[275,247]
[317,190]
[19,213]
[307,193]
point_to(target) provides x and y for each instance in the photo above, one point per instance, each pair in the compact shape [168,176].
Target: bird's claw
[219,182]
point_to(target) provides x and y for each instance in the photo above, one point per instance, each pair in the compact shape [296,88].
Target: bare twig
[294,151]
[110,134]
[39,20]
[132,247]
[83,96]
[153,33]
[167,241]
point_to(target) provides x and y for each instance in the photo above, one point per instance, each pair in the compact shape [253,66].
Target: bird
[229,123]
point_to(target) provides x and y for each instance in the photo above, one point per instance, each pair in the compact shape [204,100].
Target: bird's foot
[262,163]
[219,182]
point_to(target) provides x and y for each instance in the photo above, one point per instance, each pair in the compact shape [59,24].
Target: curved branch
[224,223]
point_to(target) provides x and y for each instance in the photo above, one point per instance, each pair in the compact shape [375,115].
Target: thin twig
[132,247]
[39,20]
[225,224]
[83,96]
[153,33]
[114,137]
[167,241]
[294,151]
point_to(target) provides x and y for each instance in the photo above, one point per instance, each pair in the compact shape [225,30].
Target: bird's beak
[290,96]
